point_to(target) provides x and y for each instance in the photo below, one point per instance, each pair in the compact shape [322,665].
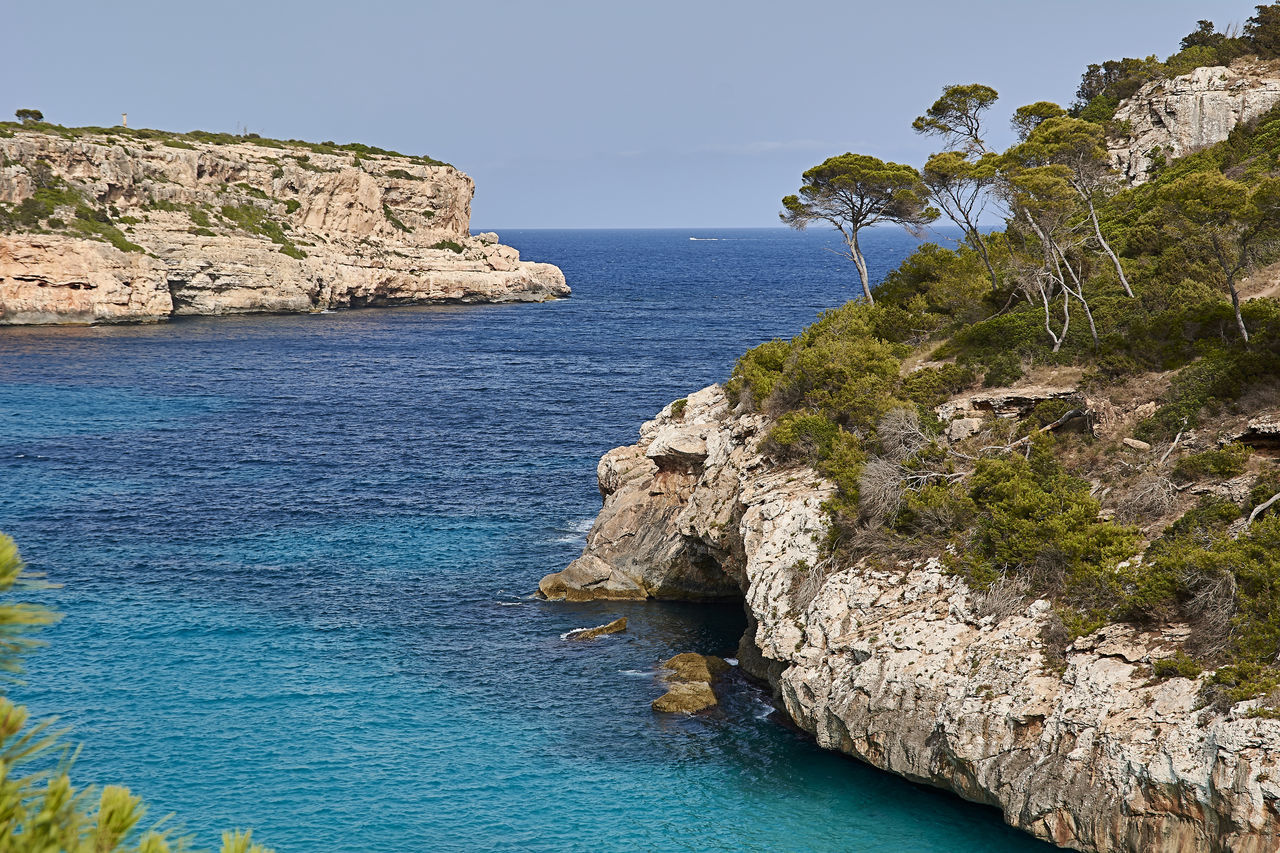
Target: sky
[572,114]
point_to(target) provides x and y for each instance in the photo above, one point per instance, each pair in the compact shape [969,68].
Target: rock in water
[695,667]
[617,626]
[686,697]
[134,230]
[689,683]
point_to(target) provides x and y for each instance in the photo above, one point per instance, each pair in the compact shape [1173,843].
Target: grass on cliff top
[173,139]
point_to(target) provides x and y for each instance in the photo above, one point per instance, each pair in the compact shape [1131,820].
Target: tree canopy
[26,115]
[957,116]
[853,191]
[1234,219]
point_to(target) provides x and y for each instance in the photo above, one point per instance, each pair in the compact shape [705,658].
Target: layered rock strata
[1167,119]
[117,228]
[892,663]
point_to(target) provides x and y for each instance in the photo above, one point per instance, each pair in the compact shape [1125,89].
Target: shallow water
[297,554]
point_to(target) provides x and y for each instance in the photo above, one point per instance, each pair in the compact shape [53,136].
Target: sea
[296,554]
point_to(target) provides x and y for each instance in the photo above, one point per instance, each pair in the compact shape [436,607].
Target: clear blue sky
[569,114]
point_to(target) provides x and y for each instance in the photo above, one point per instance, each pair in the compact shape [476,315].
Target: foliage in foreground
[41,810]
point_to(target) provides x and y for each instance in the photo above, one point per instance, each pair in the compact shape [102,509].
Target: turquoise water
[297,554]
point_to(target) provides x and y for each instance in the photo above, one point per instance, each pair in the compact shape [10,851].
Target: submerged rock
[617,626]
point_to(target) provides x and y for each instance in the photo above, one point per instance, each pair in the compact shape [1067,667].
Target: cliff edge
[1170,118]
[899,663]
[116,225]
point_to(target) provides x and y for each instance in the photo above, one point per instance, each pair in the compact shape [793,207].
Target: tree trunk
[1078,293]
[861,263]
[986,259]
[1235,303]
[1106,247]
[1048,324]
[1229,270]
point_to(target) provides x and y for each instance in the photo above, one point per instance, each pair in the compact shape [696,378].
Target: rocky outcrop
[689,683]
[106,227]
[1167,119]
[905,668]
[617,626]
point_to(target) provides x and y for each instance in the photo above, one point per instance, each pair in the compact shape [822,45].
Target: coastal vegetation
[1131,287]
[41,809]
[34,121]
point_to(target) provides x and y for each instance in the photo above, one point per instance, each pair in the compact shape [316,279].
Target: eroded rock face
[1173,118]
[239,228]
[897,668]
[54,279]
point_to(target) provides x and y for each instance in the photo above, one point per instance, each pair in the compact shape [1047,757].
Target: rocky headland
[114,225]
[901,664]
[848,528]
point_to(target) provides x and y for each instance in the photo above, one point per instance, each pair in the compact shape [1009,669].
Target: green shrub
[450,245]
[758,370]
[1180,665]
[1035,520]
[1238,682]
[931,386]
[1002,369]
[1221,464]
[399,173]
[255,220]
[1221,376]
[252,190]
[678,407]
[108,233]
[178,143]
[400,226]
[1265,486]
[936,510]
[806,436]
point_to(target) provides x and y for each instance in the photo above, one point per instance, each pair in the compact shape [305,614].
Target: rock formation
[689,679]
[1167,119]
[134,226]
[617,626]
[902,666]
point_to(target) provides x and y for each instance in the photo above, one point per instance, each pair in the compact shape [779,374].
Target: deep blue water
[297,554]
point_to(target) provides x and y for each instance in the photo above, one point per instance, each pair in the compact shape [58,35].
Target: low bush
[1180,665]
[1222,464]
[395,221]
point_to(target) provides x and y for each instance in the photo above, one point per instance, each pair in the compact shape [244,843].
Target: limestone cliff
[1167,119]
[128,226]
[904,667]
